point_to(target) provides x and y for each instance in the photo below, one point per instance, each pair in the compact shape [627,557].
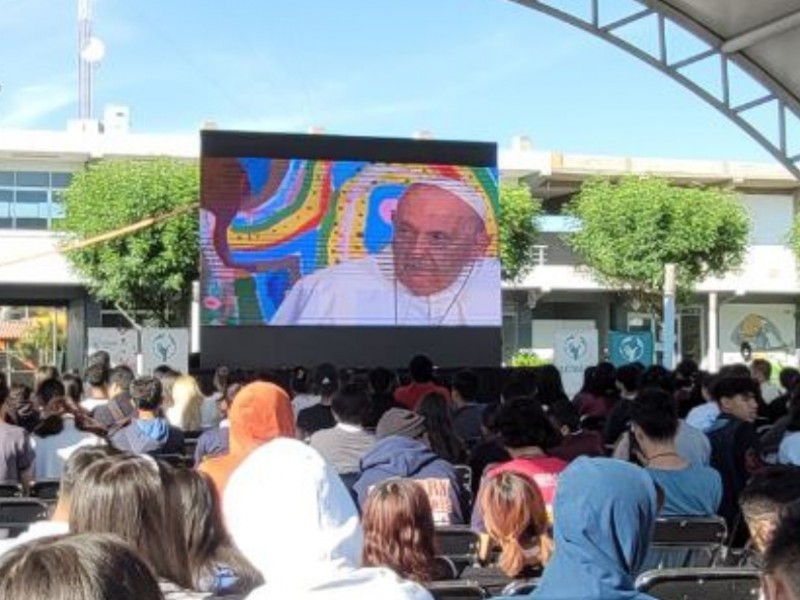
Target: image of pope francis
[435,271]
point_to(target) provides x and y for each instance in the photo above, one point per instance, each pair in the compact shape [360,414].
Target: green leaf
[151,270]
[632,227]
[518,231]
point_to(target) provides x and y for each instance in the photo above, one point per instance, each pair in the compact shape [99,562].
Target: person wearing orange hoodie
[261,412]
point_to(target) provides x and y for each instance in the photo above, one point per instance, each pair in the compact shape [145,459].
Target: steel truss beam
[724,52]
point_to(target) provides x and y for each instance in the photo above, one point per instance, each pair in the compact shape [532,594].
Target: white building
[36,165]
[758,303]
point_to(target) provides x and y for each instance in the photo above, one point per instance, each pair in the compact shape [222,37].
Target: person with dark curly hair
[528,436]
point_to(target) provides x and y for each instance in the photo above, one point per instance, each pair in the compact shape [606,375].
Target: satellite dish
[94,51]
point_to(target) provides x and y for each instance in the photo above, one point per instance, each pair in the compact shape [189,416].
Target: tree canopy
[518,231]
[633,227]
[149,271]
[794,237]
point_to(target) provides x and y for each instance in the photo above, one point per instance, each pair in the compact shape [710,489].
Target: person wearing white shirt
[702,417]
[210,415]
[96,379]
[63,429]
[435,271]
[761,371]
[789,450]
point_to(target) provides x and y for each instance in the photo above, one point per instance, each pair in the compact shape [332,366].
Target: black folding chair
[701,584]
[457,590]
[178,461]
[46,489]
[464,473]
[16,514]
[687,542]
[189,446]
[459,544]
[520,587]
[11,489]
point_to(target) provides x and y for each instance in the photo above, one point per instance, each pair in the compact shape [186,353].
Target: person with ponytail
[515,519]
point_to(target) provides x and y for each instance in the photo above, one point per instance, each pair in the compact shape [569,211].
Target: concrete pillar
[82,313]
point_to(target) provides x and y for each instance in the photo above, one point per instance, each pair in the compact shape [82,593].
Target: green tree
[149,271]
[518,231]
[794,236]
[37,343]
[633,227]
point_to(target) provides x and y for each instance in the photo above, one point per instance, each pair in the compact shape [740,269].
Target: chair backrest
[688,541]
[192,435]
[176,460]
[46,489]
[458,543]
[457,590]
[11,489]
[520,587]
[16,514]
[700,584]
[464,474]
[189,446]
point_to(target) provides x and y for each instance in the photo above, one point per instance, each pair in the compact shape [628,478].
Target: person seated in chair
[344,444]
[403,451]
[528,436]
[781,574]
[689,489]
[733,439]
[606,511]
[147,432]
[767,493]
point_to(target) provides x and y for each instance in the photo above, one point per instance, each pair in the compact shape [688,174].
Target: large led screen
[336,231]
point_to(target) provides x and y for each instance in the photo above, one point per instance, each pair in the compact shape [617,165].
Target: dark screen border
[245,144]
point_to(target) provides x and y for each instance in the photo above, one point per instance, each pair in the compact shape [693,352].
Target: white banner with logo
[165,347]
[122,345]
[573,352]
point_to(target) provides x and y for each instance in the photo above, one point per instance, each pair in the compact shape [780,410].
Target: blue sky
[463,69]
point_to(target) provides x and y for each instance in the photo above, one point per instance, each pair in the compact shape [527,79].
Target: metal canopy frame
[669,24]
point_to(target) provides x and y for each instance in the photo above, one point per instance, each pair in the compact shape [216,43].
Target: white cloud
[30,104]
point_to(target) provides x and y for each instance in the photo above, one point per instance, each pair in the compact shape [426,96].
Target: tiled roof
[13,330]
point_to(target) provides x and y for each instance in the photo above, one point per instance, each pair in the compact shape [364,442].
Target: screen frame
[260,346]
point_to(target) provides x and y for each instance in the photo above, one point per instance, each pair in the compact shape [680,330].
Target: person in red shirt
[422,384]
[528,436]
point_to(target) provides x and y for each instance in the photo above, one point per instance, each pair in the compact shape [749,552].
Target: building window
[31,199]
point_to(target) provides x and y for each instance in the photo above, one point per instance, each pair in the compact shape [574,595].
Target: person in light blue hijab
[604,513]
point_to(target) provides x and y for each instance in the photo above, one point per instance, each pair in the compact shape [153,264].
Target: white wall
[30,257]
[770,218]
[544,333]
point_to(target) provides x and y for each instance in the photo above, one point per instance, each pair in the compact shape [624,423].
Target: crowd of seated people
[343,483]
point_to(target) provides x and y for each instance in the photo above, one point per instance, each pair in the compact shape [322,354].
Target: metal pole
[55,339]
[668,339]
[84,66]
[713,332]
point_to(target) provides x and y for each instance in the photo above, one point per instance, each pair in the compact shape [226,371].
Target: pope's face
[436,235]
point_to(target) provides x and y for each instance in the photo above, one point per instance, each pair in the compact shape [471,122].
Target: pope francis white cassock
[435,272]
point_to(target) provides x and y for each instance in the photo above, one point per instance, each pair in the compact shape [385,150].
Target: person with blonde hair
[515,519]
[186,402]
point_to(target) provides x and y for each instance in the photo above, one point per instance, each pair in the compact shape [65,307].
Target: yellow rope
[103,237]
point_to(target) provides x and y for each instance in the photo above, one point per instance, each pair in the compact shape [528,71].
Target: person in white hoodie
[292,517]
